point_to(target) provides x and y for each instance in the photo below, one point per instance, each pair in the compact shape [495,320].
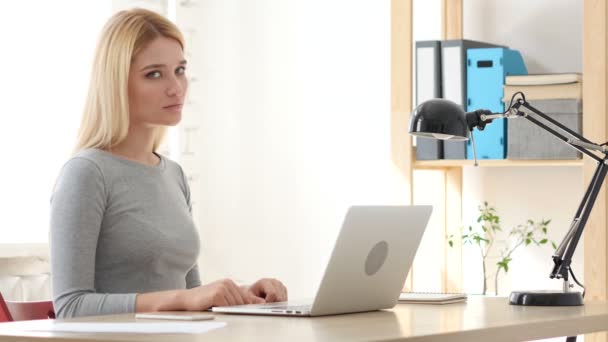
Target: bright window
[46,55]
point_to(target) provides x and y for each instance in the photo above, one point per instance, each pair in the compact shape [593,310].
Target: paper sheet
[157,327]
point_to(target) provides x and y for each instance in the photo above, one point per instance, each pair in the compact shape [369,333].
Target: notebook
[431,298]
[543,79]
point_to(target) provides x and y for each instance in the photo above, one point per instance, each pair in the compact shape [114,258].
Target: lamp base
[545,298]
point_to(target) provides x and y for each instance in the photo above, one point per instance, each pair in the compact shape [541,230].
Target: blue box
[486,72]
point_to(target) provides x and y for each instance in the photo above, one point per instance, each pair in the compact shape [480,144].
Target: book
[431,298]
[545,92]
[540,79]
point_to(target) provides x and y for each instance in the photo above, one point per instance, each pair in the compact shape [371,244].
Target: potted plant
[485,237]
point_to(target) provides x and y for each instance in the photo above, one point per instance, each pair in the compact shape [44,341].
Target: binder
[454,83]
[486,72]
[428,86]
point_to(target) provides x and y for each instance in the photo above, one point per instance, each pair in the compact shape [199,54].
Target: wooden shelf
[442,164]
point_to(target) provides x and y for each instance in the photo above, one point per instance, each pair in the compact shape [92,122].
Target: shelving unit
[441,164]
[595,99]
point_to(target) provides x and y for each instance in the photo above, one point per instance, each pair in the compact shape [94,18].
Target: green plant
[530,233]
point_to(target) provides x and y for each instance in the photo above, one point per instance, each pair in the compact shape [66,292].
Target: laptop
[367,268]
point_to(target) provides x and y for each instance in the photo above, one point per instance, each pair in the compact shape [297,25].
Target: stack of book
[557,95]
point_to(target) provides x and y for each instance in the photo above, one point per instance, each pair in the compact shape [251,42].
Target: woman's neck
[138,146]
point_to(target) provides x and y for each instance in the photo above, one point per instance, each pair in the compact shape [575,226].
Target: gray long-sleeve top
[119,228]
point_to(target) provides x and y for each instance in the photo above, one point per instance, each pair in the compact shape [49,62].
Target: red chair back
[5,315]
[24,311]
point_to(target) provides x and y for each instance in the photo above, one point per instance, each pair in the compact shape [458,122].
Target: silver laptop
[367,268]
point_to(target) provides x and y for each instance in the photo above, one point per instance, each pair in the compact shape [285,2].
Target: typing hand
[270,290]
[219,293]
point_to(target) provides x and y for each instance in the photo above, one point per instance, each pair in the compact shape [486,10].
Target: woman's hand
[269,290]
[218,293]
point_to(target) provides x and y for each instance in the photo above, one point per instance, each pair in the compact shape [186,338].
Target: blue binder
[454,82]
[486,72]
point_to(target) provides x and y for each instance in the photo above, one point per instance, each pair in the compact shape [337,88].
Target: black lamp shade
[439,119]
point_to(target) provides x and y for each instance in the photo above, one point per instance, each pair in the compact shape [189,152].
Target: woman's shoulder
[85,162]
[105,161]
[87,158]
[80,173]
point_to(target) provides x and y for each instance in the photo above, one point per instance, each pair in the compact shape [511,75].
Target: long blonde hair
[105,119]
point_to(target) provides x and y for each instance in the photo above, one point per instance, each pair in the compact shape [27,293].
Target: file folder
[428,86]
[486,72]
[454,83]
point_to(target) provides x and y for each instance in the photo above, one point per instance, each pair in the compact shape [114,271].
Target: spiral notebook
[431,298]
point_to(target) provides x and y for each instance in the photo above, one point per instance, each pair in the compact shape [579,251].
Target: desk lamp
[443,119]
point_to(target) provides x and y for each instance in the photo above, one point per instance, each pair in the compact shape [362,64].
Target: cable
[576,281]
[573,338]
[523,97]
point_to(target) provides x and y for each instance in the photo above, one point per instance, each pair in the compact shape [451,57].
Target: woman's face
[157,84]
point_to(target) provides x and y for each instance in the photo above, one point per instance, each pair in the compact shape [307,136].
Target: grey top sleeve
[193,278]
[77,209]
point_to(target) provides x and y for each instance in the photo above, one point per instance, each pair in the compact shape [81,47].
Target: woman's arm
[77,208]
[168,300]
[218,293]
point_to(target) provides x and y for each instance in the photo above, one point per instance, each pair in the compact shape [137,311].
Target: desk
[481,319]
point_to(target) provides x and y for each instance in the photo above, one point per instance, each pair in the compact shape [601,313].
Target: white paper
[157,327]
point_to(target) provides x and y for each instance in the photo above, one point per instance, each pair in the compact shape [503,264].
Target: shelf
[440,164]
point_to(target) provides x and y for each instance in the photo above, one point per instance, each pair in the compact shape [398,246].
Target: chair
[5,315]
[23,311]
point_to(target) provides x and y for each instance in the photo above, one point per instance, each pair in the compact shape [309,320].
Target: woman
[122,236]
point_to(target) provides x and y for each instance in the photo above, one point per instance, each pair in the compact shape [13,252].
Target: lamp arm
[524,103]
[579,142]
[562,258]
[479,118]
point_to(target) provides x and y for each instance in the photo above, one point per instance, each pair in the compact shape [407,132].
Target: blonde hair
[105,119]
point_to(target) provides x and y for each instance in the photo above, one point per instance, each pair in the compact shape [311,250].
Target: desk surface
[480,319]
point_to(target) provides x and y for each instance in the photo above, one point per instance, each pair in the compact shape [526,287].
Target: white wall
[429,263]
[47,50]
[548,33]
[290,120]
[288,124]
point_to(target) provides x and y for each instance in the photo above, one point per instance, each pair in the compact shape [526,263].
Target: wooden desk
[481,319]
